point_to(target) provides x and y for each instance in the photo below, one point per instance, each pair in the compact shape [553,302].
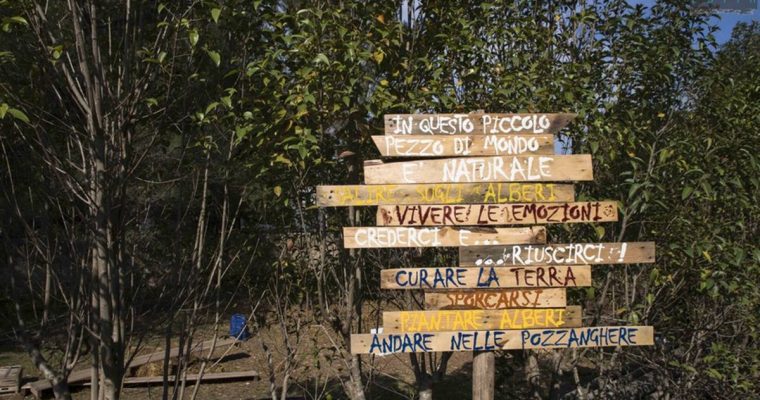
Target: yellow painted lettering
[490,195]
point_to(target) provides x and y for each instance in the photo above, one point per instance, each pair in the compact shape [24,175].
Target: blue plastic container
[238,327]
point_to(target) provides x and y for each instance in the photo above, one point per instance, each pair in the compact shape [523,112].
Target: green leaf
[193,36]
[321,58]
[215,14]
[599,232]
[686,192]
[227,101]
[57,51]
[215,57]
[714,373]
[378,56]
[18,114]
[16,20]
[3,109]
[19,20]
[211,107]
[242,131]
[281,159]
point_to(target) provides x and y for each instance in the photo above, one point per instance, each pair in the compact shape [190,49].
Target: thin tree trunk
[425,387]
[533,374]
[60,384]
[353,305]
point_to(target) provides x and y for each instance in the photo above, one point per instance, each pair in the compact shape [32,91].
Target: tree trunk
[425,387]
[103,266]
[356,378]
[60,386]
[533,374]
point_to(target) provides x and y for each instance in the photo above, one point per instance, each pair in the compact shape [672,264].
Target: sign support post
[483,366]
[483,375]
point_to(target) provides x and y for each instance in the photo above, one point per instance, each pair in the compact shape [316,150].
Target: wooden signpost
[556,254]
[481,169]
[482,172]
[471,145]
[495,299]
[480,320]
[497,214]
[401,236]
[443,193]
[553,338]
[486,277]
[474,123]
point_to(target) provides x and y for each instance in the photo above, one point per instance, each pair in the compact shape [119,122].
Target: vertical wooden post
[483,375]
[483,365]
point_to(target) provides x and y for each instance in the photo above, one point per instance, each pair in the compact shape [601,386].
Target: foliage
[246,106]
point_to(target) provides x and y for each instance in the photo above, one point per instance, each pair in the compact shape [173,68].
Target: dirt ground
[316,375]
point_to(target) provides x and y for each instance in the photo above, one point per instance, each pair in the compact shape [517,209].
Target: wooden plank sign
[481,169]
[556,338]
[382,237]
[496,299]
[486,277]
[464,145]
[443,193]
[480,320]
[497,214]
[475,124]
[555,254]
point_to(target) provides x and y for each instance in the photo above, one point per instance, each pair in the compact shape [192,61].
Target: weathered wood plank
[207,377]
[463,145]
[481,169]
[496,299]
[497,214]
[81,375]
[476,123]
[481,320]
[555,254]
[486,277]
[382,237]
[443,193]
[556,338]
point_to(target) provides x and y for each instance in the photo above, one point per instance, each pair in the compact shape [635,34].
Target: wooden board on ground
[481,320]
[382,237]
[486,277]
[10,379]
[207,377]
[497,214]
[463,145]
[443,193]
[556,254]
[475,123]
[495,299]
[81,375]
[556,338]
[481,169]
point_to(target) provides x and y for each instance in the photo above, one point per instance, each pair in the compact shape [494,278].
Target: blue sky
[725,21]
